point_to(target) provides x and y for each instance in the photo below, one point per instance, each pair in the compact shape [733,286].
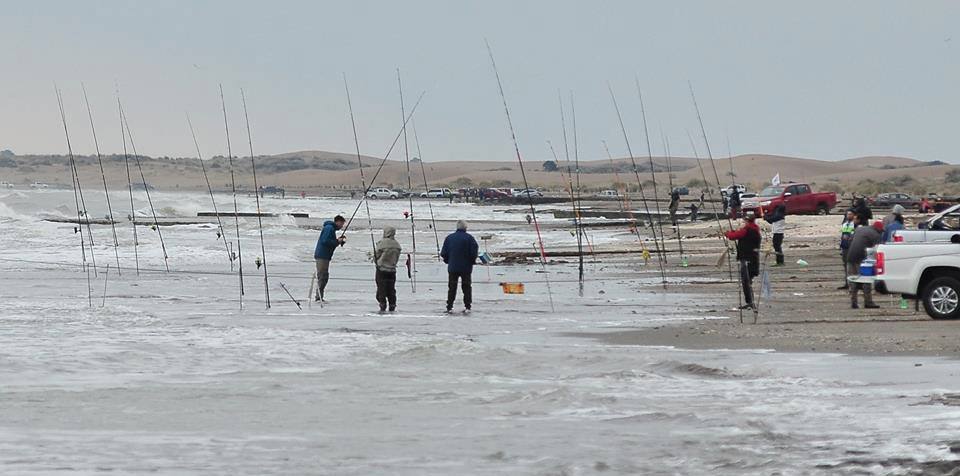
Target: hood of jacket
[389,232]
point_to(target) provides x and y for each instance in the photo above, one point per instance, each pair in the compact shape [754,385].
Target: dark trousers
[843,259]
[748,269]
[778,246]
[464,279]
[387,289]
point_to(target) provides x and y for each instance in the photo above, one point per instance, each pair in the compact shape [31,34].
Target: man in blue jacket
[326,245]
[459,251]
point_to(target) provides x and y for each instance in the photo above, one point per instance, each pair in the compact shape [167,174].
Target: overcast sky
[819,79]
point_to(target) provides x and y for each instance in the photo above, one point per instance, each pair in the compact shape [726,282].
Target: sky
[818,79]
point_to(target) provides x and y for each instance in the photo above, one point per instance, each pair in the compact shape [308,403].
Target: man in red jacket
[748,255]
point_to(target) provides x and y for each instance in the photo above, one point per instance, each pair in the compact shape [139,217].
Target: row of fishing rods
[87,244]
[572,177]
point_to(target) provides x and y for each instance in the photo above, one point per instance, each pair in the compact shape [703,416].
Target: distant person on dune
[323,253]
[460,252]
[386,256]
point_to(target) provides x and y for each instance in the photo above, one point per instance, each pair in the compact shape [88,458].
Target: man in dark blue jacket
[326,245]
[459,251]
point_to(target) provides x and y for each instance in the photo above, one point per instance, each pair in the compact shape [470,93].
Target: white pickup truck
[940,227]
[926,271]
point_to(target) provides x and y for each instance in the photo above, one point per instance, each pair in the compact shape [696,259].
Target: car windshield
[772,191]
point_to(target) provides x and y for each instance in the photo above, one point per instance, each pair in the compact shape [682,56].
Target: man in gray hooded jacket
[386,257]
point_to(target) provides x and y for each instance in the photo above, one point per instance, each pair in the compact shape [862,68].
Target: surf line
[411,258]
[103,176]
[423,172]
[363,180]
[146,188]
[256,193]
[221,236]
[233,188]
[523,174]
[716,175]
[643,197]
[77,194]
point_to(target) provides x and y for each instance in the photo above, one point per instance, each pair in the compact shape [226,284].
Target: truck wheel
[941,298]
[822,209]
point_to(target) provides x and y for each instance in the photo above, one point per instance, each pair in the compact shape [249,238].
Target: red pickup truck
[798,197]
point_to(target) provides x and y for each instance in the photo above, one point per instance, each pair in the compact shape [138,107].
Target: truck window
[801,189]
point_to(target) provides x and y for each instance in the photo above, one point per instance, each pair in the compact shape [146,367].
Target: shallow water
[170,376]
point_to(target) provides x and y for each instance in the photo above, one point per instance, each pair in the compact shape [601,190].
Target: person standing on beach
[890,228]
[674,205]
[735,203]
[386,257]
[748,255]
[864,237]
[323,253]
[897,210]
[846,235]
[861,209]
[459,252]
[778,225]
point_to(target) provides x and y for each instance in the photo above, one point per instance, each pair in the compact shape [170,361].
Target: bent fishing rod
[221,235]
[76,196]
[643,197]
[103,176]
[382,163]
[256,194]
[523,173]
[653,175]
[363,180]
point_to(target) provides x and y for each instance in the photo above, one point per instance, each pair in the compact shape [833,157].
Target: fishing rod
[79,187]
[433,220]
[653,174]
[126,163]
[103,176]
[523,173]
[579,195]
[625,201]
[380,167]
[413,226]
[233,187]
[363,180]
[76,197]
[713,202]
[567,178]
[676,222]
[706,143]
[577,222]
[256,194]
[643,197]
[146,188]
[220,232]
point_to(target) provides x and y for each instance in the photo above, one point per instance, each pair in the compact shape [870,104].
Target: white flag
[776,179]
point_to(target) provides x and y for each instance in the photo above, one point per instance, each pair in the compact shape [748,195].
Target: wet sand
[805,313]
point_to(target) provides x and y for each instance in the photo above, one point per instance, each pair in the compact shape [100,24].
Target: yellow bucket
[512,288]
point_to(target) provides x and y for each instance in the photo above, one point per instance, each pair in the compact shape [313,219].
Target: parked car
[925,271]
[798,197]
[682,190]
[493,194]
[608,194]
[39,185]
[729,190]
[530,192]
[381,192]
[891,199]
[938,228]
[438,193]
[6,185]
